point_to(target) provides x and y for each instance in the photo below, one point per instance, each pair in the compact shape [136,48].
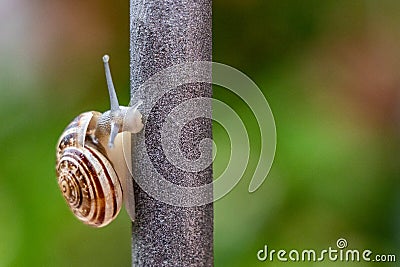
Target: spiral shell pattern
[86,177]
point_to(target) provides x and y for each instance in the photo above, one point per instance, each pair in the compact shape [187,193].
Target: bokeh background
[329,69]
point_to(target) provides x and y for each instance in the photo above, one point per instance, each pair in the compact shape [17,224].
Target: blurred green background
[329,69]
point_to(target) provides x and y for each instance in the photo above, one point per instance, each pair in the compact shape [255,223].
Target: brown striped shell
[86,177]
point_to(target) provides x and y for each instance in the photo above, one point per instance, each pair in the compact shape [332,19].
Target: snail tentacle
[110,84]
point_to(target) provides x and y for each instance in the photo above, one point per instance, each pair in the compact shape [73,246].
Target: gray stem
[164,33]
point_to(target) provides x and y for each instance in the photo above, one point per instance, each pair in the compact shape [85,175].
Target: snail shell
[86,177]
[92,174]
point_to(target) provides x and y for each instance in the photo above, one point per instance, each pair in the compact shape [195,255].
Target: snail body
[91,164]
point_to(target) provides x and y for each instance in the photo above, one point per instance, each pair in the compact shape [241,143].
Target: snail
[90,160]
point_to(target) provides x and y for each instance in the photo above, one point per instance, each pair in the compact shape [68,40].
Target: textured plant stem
[164,33]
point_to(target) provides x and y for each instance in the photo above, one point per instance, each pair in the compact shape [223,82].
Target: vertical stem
[164,33]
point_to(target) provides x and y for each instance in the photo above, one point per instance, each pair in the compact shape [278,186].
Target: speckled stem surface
[164,33]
